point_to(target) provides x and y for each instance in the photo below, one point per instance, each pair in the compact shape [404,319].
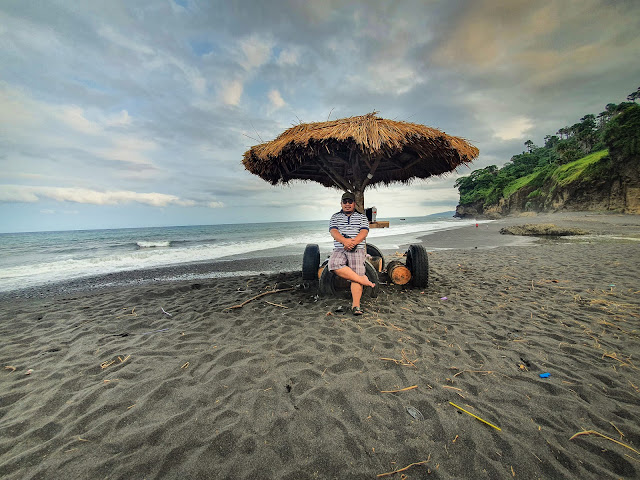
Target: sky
[135,114]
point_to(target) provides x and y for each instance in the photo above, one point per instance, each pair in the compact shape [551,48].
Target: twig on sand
[275,304]
[107,363]
[258,296]
[405,468]
[486,372]
[621,434]
[593,432]
[10,367]
[452,388]
[405,360]
[401,390]
[475,416]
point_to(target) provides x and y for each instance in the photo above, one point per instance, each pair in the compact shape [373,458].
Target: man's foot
[357,310]
[366,282]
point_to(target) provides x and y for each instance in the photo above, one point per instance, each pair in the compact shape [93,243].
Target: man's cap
[349,196]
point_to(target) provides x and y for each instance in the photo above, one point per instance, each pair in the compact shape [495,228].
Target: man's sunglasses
[347,201]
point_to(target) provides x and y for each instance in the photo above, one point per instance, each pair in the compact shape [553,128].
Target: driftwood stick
[258,296]
[405,468]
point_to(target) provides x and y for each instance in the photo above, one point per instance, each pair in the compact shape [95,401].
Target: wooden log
[398,272]
[376,262]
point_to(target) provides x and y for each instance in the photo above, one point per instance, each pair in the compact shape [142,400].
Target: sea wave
[154,244]
[159,253]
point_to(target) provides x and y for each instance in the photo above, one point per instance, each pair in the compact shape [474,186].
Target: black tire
[372,275]
[328,280]
[311,262]
[326,286]
[375,252]
[418,265]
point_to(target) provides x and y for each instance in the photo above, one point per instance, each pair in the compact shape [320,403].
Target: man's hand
[349,243]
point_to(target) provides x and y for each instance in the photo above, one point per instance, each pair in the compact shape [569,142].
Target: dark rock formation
[541,229]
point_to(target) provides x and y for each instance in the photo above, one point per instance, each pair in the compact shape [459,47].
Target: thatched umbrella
[354,153]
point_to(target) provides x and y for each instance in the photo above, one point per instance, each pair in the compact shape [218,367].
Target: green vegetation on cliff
[577,154]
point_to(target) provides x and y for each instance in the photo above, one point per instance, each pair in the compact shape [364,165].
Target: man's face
[348,205]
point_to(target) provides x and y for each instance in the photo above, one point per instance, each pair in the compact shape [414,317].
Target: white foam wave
[156,244]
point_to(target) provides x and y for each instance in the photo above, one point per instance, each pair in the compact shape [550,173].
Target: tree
[529,144]
[632,97]
[623,133]
[550,141]
[562,132]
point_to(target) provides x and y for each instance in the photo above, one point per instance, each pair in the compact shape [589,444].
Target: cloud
[288,56]
[125,41]
[232,92]
[119,119]
[73,116]
[276,99]
[31,194]
[512,129]
[256,50]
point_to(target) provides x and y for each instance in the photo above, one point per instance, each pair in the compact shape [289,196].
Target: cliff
[598,182]
[553,178]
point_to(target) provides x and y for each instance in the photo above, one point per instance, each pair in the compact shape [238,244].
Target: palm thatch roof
[356,152]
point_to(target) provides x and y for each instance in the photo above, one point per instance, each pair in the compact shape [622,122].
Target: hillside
[595,168]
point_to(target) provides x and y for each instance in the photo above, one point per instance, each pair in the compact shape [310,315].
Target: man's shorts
[345,258]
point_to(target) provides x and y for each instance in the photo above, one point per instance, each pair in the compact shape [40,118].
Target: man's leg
[348,274]
[356,294]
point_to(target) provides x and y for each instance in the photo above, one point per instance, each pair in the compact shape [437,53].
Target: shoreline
[165,380]
[485,236]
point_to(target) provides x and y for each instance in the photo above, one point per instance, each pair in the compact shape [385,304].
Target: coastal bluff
[608,184]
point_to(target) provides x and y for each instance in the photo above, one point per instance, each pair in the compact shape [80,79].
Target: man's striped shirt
[349,226]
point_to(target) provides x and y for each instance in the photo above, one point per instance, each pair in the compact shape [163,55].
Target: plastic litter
[444,298]
[415,413]
[545,375]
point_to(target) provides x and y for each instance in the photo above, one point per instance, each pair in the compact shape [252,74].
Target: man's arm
[337,236]
[360,237]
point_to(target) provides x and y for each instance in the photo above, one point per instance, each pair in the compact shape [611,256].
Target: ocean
[34,259]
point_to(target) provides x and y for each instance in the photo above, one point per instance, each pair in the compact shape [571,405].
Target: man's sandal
[357,310]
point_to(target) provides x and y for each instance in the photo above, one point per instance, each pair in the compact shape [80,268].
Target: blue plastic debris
[545,375]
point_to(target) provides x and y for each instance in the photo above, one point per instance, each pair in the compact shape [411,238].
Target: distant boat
[403,219]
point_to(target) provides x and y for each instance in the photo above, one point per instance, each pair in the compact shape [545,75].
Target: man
[349,228]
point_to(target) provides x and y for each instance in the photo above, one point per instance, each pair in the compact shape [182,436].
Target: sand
[163,380]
